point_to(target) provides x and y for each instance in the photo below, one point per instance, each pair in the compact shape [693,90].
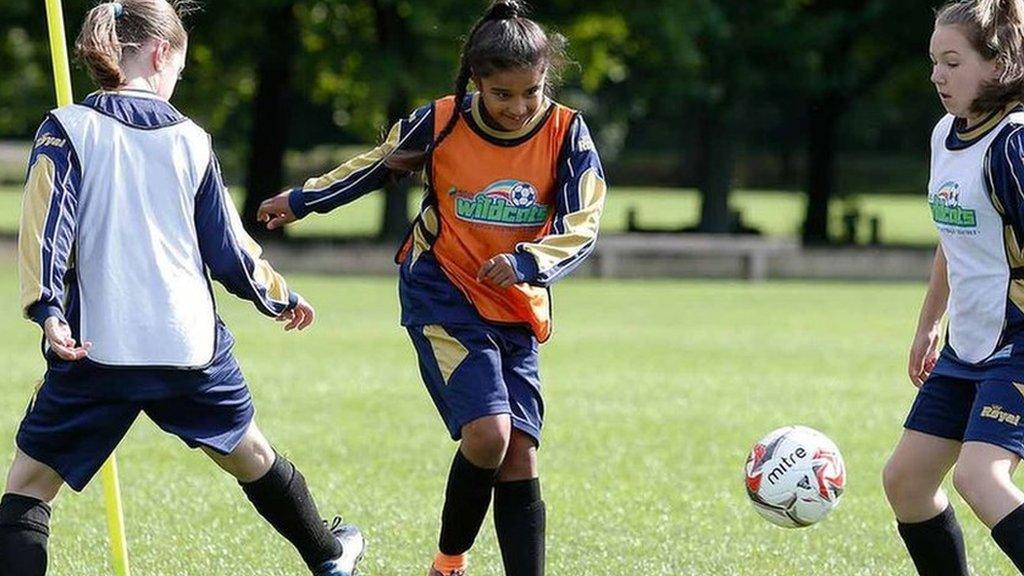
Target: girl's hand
[924,353]
[498,271]
[276,211]
[58,337]
[300,317]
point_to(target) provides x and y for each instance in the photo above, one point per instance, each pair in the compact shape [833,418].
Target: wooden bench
[754,250]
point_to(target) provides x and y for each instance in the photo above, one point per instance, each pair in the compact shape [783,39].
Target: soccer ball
[795,476]
[523,195]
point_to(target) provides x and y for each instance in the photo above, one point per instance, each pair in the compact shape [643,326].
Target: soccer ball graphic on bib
[795,476]
[522,195]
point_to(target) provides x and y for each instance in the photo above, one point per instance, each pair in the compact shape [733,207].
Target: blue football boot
[353,545]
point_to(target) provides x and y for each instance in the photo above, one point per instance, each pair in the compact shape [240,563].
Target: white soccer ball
[523,195]
[795,476]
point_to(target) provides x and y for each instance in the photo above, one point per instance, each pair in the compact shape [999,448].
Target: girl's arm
[48,220]
[355,178]
[924,351]
[46,236]
[581,193]
[231,255]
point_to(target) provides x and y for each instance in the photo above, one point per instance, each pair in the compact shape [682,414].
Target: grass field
[905,219]
[655,392]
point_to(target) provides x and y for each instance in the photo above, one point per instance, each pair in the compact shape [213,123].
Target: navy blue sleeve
[581,191]
[46,234]
[366,172]
[230,254]
[1004,176]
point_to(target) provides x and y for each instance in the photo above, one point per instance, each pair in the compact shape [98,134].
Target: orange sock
[446,564]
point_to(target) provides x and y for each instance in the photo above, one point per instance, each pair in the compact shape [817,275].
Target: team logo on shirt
[946,209]
[505,203]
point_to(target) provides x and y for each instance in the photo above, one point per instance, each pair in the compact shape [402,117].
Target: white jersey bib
[971,235]
[145,298]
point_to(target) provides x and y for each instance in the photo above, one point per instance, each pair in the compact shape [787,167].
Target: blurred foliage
[676,78]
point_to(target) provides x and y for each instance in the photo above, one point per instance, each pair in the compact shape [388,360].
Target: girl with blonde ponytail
[514,192]
[125,218]
[970,400]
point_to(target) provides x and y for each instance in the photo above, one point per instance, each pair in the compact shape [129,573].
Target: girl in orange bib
[514,192]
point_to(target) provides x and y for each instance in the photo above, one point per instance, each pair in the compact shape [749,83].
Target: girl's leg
[984,477]
[279,493]
[25,516]
[250,460]
[519,513]
[912,479]
[468,493]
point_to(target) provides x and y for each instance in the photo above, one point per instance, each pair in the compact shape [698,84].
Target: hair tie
[118,10]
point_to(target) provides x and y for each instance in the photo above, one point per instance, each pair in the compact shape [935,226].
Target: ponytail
[99,47]
[113,30]
[1009,39]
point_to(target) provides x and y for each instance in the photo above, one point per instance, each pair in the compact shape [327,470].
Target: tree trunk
[395,224]
[714,169]
[823,125]
[270,115]
[393,36]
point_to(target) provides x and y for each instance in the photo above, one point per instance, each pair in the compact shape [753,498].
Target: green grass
[655,392]
[905,219]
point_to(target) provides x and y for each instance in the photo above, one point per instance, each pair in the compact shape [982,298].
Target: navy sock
[466,500]
[24,530]
[520,521]
[283,499]
[936,545]
[1009,535]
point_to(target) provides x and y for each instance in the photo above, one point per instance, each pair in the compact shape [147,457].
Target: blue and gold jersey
[976,198]
[125,218]
[536,193]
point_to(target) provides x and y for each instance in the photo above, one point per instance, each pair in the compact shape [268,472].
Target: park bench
[754,250]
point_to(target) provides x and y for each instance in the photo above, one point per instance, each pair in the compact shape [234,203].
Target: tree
[268,140]
[842,50]
[701,62]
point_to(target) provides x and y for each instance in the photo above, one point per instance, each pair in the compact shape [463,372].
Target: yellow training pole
[115,515]
[111,486]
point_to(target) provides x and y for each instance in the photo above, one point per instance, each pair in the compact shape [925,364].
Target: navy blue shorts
[472,371]
[73,429]
[970,411]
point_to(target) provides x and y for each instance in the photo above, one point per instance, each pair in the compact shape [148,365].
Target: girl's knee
[520,461]
[905,485]
[485,440]
[29,477]
[973,483]
[895,479]
[251,458]
[984,473]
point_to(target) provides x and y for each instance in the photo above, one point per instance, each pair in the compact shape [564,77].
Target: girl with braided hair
[514,193]
[970,399]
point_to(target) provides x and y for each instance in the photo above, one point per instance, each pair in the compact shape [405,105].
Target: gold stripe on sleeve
[263,273]
[361,162]
[1015,258]
[35,208]
[581,226]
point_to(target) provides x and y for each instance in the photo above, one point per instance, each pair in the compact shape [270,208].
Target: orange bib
[490,198]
